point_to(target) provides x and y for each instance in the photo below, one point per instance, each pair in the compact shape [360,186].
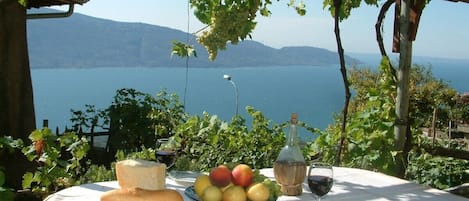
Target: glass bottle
[290,166]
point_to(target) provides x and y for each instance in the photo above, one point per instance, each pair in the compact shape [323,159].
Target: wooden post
[435,110]
[403,78]
[405,62]
[450,128]
[92,136]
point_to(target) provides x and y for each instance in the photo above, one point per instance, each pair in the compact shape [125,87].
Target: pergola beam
[465,1]
[44,3]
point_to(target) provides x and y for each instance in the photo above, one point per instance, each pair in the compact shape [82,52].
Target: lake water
[315,93]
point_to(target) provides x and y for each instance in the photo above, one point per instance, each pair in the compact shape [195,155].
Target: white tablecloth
[349,184]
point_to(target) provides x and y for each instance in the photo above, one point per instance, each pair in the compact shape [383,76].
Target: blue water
[315,93]
[453,71]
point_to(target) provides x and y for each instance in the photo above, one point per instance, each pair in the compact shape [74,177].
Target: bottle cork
[294,118]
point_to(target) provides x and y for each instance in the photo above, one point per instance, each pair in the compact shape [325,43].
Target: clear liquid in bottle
[290,166]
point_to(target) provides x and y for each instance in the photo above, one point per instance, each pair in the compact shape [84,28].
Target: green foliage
[23,2]
[58,159]
[435,171]
[212,142]
[142,119]
[6,194]
[97,173]
[183,50]
[90,118]
[300,7]
[7,144]
[144,154]
[369,140]
[167,114]
[345,7]
[129,122]
[138,119]
[427,94]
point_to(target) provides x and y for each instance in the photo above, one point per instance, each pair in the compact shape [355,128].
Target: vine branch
[343,70]
[379,37]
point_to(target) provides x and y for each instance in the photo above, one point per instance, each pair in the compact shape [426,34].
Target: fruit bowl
[238,183]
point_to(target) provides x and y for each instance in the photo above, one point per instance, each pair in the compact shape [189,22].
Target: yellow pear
[234,193]
[201,183]
[212,193]
[258,192]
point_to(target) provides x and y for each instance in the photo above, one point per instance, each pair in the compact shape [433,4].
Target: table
[350,184]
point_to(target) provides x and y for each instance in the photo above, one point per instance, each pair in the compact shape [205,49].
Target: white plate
[186,178]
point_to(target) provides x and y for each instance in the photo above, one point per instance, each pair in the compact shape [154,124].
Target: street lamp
[228,77]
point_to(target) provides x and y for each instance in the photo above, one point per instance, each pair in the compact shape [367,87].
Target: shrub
[369,139]
[134,119]
[59,161]
[7,145]
[207,141]
[435,171]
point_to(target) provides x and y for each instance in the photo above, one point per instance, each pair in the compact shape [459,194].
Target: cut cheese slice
[136,173]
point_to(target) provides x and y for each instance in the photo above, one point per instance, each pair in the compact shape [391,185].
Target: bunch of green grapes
[274,188]
[229,21]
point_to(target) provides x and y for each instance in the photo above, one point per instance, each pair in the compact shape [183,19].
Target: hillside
[82,41]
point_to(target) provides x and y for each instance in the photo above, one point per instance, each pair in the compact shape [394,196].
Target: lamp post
[228,77]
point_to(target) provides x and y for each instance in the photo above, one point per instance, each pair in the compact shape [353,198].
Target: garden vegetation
[137,120]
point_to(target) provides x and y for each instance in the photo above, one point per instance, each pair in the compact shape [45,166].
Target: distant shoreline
[360,60]
[179,67]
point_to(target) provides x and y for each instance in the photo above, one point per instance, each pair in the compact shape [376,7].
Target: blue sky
[443,30]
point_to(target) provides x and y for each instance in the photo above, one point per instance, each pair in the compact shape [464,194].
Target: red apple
[220,176]
[242,175]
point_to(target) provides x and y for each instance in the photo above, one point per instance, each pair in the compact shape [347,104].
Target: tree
[17,117]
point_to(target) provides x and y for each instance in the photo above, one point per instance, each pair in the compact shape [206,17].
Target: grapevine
[229,21]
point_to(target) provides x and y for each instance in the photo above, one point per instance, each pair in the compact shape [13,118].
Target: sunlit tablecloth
[349,184]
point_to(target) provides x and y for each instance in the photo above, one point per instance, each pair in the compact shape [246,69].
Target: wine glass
[166,153]
[320,179]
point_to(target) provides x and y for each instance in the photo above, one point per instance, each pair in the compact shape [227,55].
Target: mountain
[82,41]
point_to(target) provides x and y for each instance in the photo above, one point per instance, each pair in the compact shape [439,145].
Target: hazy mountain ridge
[82,41]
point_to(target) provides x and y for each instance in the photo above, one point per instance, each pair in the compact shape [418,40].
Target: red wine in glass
[320,185]
[320,179]
[166,157]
